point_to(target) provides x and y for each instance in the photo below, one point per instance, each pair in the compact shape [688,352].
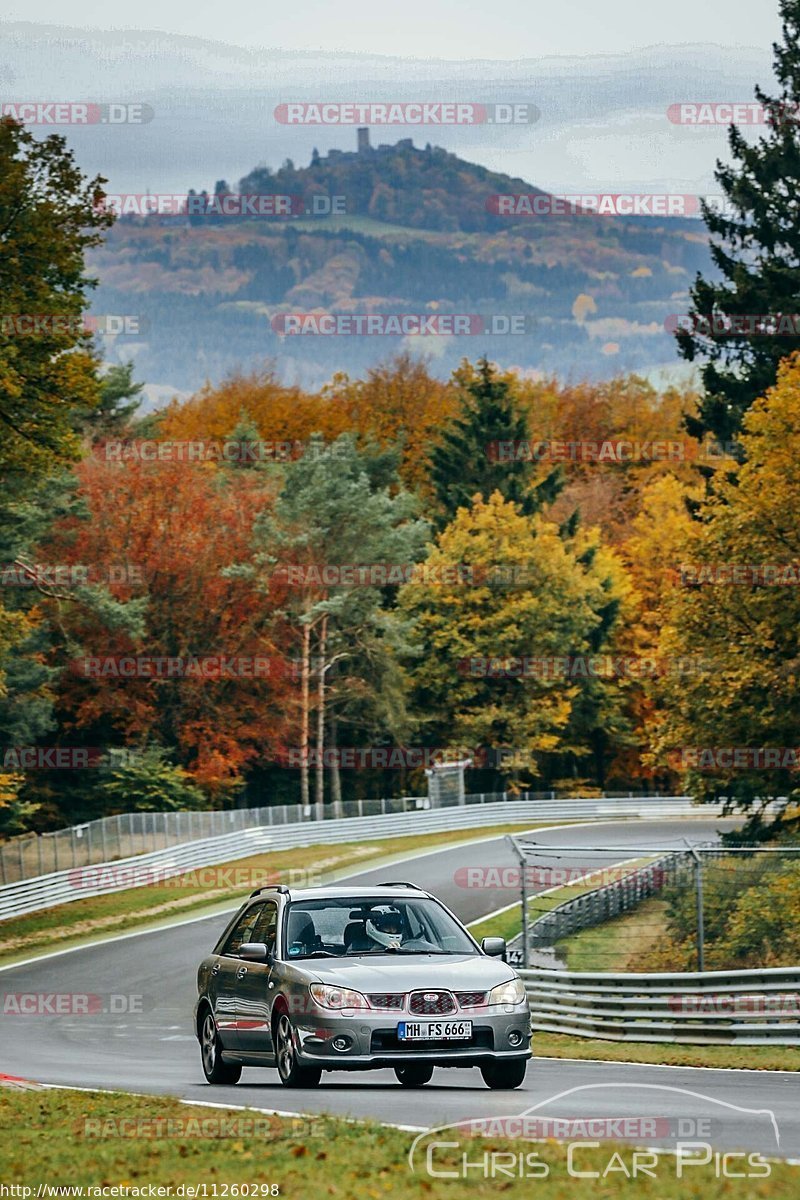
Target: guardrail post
[698,883]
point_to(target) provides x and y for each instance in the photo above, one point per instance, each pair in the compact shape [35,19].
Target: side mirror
[494,946]
[254,951]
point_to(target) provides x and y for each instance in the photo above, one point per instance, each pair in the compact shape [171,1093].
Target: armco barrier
[747,1008]
[607,902]
[62,887]
[106,839]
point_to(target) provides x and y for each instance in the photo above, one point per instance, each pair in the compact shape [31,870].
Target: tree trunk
[304,678]
[336,779]
[320,774]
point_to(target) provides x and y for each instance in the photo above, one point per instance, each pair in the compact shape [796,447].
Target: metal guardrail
[593,907]
[27,856]
[606,902]
[63,887]
[746,1008]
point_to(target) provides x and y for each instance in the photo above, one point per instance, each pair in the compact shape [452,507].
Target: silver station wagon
[346,979]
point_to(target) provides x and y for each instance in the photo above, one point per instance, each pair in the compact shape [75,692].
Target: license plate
[425,1031]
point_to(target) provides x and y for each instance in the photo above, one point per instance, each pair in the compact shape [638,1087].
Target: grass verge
[208,888]
[507,924]
[616,945]
[48,1143]
[757,1058]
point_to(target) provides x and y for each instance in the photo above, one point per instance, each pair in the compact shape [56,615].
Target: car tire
[291,1072]
[214,1069]
[498,1075]
[414,1074]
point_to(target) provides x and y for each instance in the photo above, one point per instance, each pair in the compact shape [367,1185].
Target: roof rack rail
[271,887]
[400,883]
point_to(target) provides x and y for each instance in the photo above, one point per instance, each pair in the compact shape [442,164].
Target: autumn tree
[50,215]
[398,403]
[500,587]
[337,508]
[735,605]
[160,536]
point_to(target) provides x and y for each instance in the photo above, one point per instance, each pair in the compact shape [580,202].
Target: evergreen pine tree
[756,248]
[469,460]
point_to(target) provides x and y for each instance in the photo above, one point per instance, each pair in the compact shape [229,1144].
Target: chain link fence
[718,906]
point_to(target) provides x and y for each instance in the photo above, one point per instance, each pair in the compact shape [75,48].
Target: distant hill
[419,234]
[397,183]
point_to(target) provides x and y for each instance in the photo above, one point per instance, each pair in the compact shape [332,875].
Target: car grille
[470,999]
[431,1003]
[384,1000]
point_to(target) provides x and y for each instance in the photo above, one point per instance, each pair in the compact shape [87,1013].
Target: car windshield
[350,927]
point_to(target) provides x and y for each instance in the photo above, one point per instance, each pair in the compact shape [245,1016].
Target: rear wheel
[497,1075]
[414,1074]
[292,1073]
[214,1069]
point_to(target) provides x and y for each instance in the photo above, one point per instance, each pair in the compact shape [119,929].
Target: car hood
[403,973]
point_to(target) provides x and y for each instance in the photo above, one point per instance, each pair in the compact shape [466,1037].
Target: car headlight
[512,992]
[336,997]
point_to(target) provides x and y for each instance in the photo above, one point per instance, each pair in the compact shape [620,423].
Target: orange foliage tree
[166,532]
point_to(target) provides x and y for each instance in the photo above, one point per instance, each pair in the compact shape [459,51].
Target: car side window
[267,926]
[243,929]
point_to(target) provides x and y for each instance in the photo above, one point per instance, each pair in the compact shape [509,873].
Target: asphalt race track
[154,1050]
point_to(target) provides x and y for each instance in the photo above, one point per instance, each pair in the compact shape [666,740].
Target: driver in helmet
[385,926]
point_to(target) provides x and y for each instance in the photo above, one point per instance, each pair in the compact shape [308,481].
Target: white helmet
[385,926]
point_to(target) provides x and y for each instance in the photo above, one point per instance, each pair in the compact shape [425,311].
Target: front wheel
[292,1073]
[214,1069]
[497,1075]
[414,1074]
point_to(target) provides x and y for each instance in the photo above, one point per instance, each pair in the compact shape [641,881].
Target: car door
[255,988]
[225,982]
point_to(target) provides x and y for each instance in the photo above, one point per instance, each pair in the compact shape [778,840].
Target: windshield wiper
[399,950]
[318,954]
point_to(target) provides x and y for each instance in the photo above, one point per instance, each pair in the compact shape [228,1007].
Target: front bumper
[498,1032]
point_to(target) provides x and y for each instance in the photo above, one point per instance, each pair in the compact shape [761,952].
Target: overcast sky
[453,29]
